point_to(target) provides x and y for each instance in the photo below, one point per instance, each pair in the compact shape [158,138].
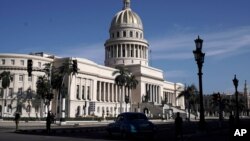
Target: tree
[6,78]
[121,80]
[132,82]
[58,77]
[43,89]
[191,98]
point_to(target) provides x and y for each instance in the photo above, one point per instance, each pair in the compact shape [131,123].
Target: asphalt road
[91,132]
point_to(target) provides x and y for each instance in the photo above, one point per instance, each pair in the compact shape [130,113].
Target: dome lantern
[126,4]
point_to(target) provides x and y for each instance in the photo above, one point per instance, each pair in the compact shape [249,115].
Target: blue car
[131,124]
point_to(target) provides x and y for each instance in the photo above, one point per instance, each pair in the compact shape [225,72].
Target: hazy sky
[79,28]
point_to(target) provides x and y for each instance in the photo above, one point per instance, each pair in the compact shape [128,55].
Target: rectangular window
[1,92]
[22,62]
[124,34]
[12,62]
[83,92]
[21,78]
[77,92]
[131,34]
[118,34]
[88,92]
[3,61]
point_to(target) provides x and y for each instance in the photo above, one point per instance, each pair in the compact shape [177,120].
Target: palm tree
[132,82]
[190,96]
[6,78]
[121,80]
[58,77]
[43,89]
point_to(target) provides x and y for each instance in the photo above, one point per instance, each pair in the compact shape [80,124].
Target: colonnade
[169,97]
[84,89]
[110,92]
[153,93]
[126,50]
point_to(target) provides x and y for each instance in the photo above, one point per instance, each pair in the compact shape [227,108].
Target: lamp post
[199,58]
[236,82]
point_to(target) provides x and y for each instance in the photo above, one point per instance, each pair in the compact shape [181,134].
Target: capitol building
[92,91]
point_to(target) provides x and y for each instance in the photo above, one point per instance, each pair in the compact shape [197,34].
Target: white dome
[126,18]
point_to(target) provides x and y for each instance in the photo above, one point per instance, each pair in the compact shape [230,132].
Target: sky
[79,28]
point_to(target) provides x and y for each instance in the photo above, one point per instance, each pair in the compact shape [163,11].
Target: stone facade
[93,91]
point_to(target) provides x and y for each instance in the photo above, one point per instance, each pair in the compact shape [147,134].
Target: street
[96,131]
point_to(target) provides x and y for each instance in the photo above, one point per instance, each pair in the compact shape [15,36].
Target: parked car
[131,124]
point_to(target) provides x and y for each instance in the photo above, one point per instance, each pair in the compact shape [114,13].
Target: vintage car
[131,124]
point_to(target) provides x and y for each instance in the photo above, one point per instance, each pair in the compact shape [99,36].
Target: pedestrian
[52,118]
[178,127]
[16,119]
[48,122]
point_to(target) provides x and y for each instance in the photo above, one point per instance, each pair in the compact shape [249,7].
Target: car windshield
[136,117]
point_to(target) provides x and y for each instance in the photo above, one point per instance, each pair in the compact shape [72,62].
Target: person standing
[16,119]
[178,127]
[48,122]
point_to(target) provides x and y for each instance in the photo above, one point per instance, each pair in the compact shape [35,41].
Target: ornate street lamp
[236,82]
[199,58]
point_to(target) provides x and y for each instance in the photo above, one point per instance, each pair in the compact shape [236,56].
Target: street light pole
[199,58]
[236,82]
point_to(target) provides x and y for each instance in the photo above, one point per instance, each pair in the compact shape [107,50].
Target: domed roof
[127,17]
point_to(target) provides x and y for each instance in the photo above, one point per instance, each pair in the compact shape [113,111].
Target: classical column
[108,94]
[104,91]
[158,94]
[140,51]
[134,51]
[116,50]
[151,92]
[85,88]
[111,92]
[87,108]
[100,92]
[120,46]
[118,93]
